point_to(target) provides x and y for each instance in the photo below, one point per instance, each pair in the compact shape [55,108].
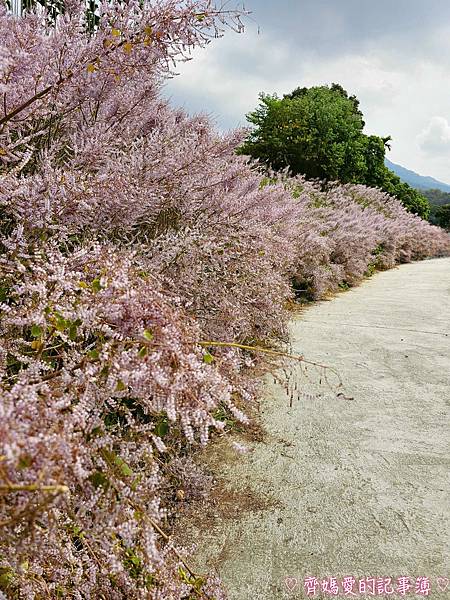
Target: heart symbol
[442,583]
[291,583]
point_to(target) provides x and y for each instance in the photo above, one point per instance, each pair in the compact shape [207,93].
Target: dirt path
[342,487]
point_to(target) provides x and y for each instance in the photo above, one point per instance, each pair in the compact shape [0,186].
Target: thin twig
[297,357]
[33,487]
[252,348]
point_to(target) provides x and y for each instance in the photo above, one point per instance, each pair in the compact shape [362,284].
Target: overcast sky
[393,54]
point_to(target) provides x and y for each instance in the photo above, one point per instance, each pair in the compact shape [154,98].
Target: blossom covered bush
[348,231]
[132,238]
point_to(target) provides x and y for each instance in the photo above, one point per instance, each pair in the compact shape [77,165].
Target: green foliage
[54,8]
[436,197]
[162,427]
[196,582]
[411,198]
[318,132]
[438,201]
[36,331]
[120,467]
[6,579]
[96,285]
[443,216]
[223,415]
[99,480]
[208,358]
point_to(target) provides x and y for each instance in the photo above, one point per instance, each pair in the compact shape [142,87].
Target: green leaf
[96,285]
[148,335]
[184,576]
[36,331]
[94,354]
[208,358]
[162,428]
[25,566]
[99,479]
[4,293]
[61,323]
[73,332]
[142,352]
[136,482]
[6,578]
[94,433]
[113,458]
[124,468]
[120,386]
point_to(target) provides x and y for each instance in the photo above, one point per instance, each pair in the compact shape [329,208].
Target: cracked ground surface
[355,483]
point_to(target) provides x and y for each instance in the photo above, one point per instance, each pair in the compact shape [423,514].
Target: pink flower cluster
[349,231]
[131,235]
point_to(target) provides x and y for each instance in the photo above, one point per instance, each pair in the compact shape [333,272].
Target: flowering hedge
[131,235]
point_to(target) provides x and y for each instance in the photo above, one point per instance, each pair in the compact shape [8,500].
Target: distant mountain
[415,180]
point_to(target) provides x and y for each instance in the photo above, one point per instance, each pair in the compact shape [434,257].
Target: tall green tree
[318,132]
[443,216]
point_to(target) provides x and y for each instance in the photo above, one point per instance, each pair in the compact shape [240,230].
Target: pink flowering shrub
[95,361]
[349,230]
[403,236]
[131,235]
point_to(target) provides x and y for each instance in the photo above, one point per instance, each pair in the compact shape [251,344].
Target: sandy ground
[350,485]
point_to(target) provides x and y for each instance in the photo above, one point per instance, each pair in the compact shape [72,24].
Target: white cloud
[435,138]
[225,78]
[400,74]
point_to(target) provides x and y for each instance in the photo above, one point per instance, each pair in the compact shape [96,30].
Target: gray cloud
[393,54]
[341,26]
[435,138]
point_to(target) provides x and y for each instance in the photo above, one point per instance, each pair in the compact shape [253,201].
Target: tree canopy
[442,215]
[318,132]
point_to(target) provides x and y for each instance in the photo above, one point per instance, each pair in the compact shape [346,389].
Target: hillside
[415,180]
[437,197]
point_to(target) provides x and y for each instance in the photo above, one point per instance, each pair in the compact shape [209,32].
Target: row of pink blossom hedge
[131,235]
